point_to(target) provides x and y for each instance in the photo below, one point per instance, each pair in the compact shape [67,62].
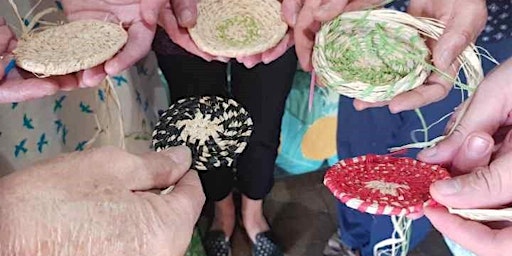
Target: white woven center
[200,128]
[385,188]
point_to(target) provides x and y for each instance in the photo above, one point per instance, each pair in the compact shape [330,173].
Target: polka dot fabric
[216,244]
[215,129]
[265,246]
[386,185]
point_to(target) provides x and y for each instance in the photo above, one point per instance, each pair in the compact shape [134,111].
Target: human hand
[488,114]
[97,202]
[17,85]
[127,12]
[305,17]
[488,187]
[463,25]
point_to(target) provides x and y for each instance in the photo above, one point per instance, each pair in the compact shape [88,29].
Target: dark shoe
[265,245]
[216,244]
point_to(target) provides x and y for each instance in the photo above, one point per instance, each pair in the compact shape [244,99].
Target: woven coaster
[235,28]
[215,129]
[382,184]
[70,47]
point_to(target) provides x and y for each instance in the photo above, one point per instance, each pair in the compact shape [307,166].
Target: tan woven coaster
[236,28]
[70,47]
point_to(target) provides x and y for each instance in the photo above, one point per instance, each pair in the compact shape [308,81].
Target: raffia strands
[375,55]
[68,48]
[236,28]
[484,214]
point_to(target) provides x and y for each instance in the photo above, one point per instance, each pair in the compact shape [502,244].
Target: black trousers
[262,91]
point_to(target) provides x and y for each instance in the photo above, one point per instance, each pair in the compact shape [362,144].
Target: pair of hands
[463,25]
[98,202]
[479,153]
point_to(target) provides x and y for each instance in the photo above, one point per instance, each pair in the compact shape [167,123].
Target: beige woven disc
[235,28]
[70,47]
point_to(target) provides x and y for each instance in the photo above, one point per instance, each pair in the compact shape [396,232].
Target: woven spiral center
[198,130]
[238,30]
[385,188]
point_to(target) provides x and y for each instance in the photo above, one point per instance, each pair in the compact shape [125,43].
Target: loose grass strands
[375,55]
[398,244]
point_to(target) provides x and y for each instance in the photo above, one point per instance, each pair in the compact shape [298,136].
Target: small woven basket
[237,28]
[68,48]
[375,55]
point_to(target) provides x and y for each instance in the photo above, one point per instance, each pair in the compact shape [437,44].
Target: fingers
[495,87]
[140,37]
[329,9]
[485,187]
[150,10]
[475,152]
[250,61]
[180,36]
[156,170]
[6,36]
[471,235]
[362,105]
[23,90]
[459,33]
[91,77]
[185,11]
[290,10]
[304,33]
[187,196]
[278,50]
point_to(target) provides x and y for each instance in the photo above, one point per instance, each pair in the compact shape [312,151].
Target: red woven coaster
[383,184]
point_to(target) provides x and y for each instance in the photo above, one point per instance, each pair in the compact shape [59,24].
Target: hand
[97,202]
[305,17]
[488,112]
[127,12]
[271,54]
[463,25]
[486,187]
[18,85]
[176,17]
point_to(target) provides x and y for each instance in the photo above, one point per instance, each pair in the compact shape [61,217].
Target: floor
[302,214]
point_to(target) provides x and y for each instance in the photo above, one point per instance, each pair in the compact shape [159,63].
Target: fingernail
[179,154]
[445,59]
[447,187]
[185,17]
[477,146]
[429,152]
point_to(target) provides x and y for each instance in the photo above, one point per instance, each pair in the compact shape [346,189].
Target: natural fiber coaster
[382,184]
[215,129]
[69,48]
[234,28]
[378,54]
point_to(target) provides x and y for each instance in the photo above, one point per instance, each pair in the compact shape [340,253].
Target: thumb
[290,10]
[486,187]
[329,9]
[151,9]
[459,33]
[496,86]
[185,12]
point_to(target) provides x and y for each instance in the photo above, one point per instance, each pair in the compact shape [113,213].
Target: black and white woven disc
[215,129]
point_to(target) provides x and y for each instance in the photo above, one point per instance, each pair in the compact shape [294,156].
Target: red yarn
[368,183]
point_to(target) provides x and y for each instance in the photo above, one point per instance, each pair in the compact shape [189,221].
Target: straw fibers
[236,28]
[68,48]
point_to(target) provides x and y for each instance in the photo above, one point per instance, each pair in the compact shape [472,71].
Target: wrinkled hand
[18,85]
[487,187]
[97,202]
[488,115]
[463,25]
[129,13]
[305,17]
